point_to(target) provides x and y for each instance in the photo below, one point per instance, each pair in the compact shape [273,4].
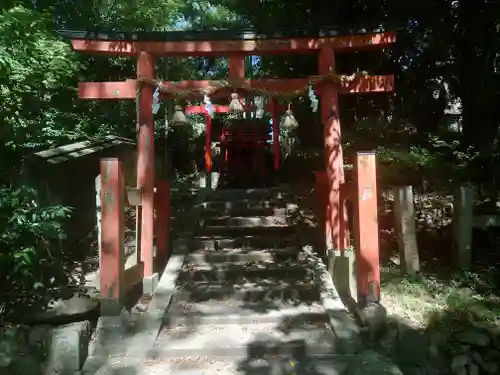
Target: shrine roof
[67,152]
[211,35]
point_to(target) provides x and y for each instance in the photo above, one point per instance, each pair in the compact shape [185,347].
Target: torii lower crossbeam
[127,89]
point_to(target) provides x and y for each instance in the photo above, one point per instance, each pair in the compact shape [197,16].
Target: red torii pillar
[331,123]
[364,197]
[146,168]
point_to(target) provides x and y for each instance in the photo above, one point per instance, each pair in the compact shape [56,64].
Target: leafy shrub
[37,109]
[31,258]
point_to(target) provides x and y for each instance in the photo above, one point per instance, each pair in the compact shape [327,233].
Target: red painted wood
[162,206]
[133,275]
[322,207]
[236,67]
[208,143]
[112,230]
[344,232]
[126,89]
[276,138]
[333,157]
[322,210]
[192,109]
[366,220]
[234,47]
[236,72]
[145,161]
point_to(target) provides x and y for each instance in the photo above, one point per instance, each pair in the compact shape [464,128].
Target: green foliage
[435,161]
[31,259]
[406,157]
[36,72]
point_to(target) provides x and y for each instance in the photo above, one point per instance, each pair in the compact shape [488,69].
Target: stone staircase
[247,300]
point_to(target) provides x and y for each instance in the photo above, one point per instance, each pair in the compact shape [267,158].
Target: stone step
[252,340]
[246,204]
[250,310]
[203,257]
[163,363]
[237,231]
[235,194]
[246,221]
[243,293]
[239,272]
[245,242]
[243,211]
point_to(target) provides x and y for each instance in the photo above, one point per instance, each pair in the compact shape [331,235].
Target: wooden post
[331,123]
[112,263]
[463,210]
[346,194]
[208,146]
[404,212]
[98,214]
[162,220]
[276,133]
[366,220]
[322,209]
[145,161]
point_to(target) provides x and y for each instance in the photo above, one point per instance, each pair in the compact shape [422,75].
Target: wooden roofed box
[67,175]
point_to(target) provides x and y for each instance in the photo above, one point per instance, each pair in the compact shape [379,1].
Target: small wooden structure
[146,46]
[66,174]
[243,145]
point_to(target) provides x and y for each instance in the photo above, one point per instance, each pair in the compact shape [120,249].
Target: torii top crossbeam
[222,42]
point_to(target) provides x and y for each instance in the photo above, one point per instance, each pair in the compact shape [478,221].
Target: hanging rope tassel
[179,118]
[235,105]
[288,121]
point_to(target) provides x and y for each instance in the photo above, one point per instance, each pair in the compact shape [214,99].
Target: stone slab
[205,257]
[240,339]
[278,193]
[334,365]
[150,283]
[243,241]
[247,221]
[69,347]
[205,314]
[250,293]
[341,320]
[222,230]
[147,327]
[243,204]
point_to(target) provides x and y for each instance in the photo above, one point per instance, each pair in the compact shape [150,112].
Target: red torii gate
[145,46]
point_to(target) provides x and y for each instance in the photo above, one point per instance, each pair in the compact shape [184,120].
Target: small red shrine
[327,85]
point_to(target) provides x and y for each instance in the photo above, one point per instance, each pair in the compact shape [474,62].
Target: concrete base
[44,349]
[344,273]
[341,321]
[150,283]
[111,306]
[69,348]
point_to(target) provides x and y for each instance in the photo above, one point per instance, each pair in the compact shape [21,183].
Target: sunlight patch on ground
[416,298]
